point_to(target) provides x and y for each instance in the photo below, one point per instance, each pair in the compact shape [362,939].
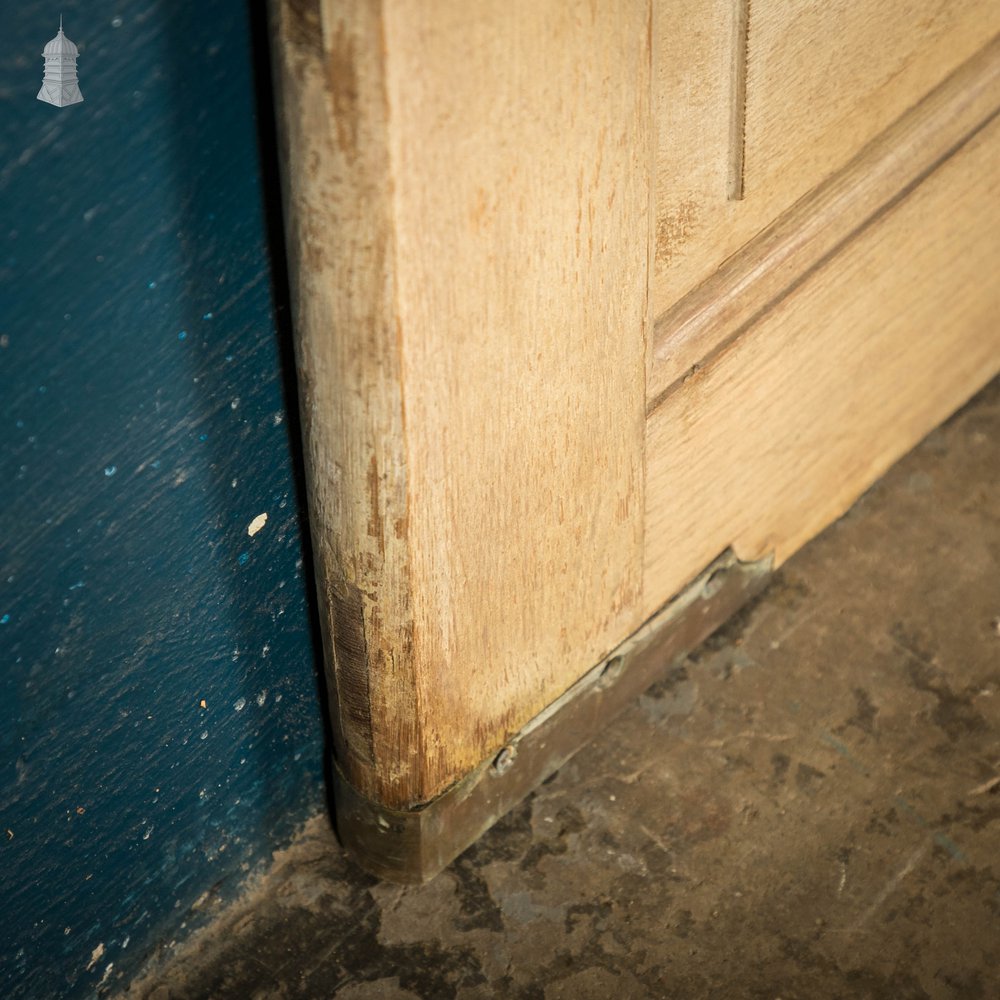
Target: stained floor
[806,807]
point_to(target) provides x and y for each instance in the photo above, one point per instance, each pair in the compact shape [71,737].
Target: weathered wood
[468,196]
[779,432]
[468,193]
[338,202]
[414,845]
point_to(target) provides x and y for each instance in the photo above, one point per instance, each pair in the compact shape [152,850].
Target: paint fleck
[207,316]
[77,585]
[95,956]
[244,558]
[256,524]
[110,470]
[203,703]
[240,704]
[204,735]
[116,22]
[10,833]
[4,620]
[182,335]
[152,284]
[202,437]
[262,698]
[278,417]
[235,403]
[233,483]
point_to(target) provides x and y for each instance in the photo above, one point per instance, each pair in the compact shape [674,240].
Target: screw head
[611,672]
[504,760]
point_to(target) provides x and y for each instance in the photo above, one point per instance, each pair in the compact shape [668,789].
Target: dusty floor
[807,807]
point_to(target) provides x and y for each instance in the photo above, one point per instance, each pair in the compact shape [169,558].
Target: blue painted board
[162,730]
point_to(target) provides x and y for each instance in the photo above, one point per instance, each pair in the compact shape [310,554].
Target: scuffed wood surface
[342,262]
[468,203]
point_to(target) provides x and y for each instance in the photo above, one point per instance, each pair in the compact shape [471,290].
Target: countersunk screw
[504,760]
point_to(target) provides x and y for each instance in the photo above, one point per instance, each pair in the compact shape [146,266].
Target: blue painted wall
[162,729]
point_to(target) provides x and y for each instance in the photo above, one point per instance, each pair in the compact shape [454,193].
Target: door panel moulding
[821,224]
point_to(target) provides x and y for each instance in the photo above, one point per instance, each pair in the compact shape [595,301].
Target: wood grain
[820,223]
[778,434]
[469,196]
[823,78]
[343,265]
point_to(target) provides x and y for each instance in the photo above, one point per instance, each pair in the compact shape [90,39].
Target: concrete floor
[804,808]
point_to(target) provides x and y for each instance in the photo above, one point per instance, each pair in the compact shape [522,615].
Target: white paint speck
[235,403]
[256,524]
[233,483]
[110,470]
[262,698]
[240,704]
[204,734]
[116,22]
[278,417]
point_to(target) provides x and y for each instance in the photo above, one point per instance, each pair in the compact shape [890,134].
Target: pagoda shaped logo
[59,85]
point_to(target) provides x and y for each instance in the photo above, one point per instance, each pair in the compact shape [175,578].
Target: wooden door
[603,309]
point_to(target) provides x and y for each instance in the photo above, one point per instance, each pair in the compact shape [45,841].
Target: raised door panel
[781,430]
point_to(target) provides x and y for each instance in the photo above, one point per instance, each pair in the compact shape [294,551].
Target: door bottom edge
[413,845]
